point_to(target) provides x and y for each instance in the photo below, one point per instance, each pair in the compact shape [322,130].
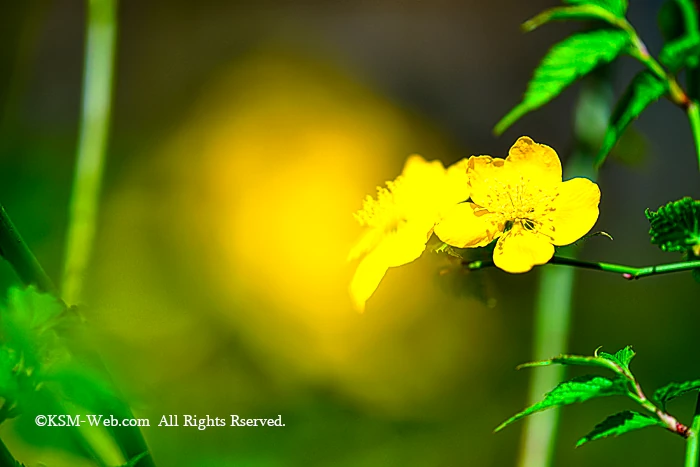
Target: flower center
[518,202]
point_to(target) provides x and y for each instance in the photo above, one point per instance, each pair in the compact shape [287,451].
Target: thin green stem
[692,454]
[94,128]
[694,119]
[17,253]
[627,272]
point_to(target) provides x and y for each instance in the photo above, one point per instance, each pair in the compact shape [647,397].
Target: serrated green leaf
[672,390]
[619,424]
[569,392]
[576,360]
[644,89]
[622,357]
[680,53]
[616,7]
[567,61]
[563,13]
[676,226]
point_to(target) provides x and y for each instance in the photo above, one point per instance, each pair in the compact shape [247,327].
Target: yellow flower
[523,202]
[401,220]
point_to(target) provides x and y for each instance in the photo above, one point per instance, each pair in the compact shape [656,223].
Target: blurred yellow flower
[401,220]
[522,201]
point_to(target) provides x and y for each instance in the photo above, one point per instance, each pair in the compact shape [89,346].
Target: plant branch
[694,119]
[670,422]
[693,451]
[627,272]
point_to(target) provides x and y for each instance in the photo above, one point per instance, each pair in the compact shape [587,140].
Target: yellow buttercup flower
[401,220]
[522,201]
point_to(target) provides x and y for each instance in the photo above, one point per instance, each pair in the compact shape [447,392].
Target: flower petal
[519,250]
[576,210]
[397,248]
[467,225]
[537,162]
[483,172]
[368,275]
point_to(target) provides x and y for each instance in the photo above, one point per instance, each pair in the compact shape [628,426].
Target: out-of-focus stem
[94,128]
[692,454]
[553,303]
[694,119]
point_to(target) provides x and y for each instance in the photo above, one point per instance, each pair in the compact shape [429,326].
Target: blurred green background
[244,136]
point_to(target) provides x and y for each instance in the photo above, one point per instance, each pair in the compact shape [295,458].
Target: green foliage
[644,89]
[681,53]
[622,357]
[582,12]
[567,61]
[616,7]
[575,390]
[676,226]
[618,362]
[672,390]
[619,424]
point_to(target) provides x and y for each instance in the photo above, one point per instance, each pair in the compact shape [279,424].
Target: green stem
[20,257]
[693,452]
[628,272]
[94,127]
[694,119]
[552,319]
[553,304]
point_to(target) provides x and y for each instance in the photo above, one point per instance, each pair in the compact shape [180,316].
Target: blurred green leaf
[644,89]
[567,61]
[563,13]
[672,390]
[670,21]
[619,424]
[622,357]
[617,7]
[680,53]
[631,149]
[676,226]
[576,390]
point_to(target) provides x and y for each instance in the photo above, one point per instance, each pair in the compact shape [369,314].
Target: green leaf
[576,390]
[579,360]
[676,226]
[680,53]
[644,89]
[567,61]
[619,424]
[672,390]
[616,7]
[622,357]
[563,13]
